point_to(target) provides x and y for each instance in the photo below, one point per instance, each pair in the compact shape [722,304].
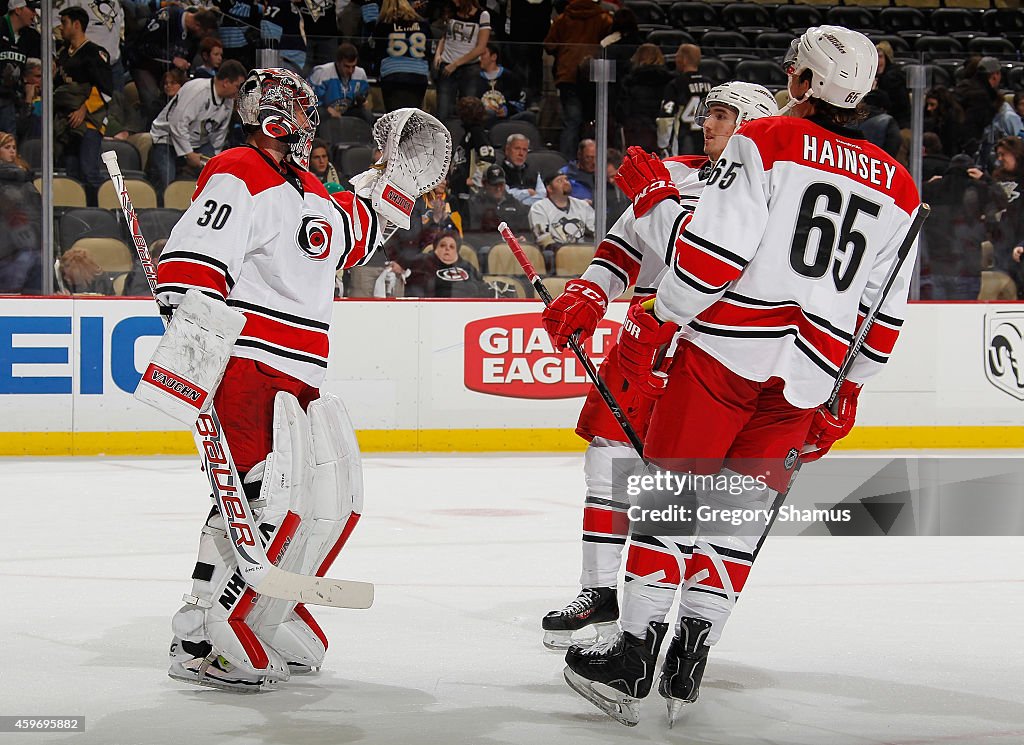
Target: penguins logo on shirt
[453,274]
[568,230]
[314,237]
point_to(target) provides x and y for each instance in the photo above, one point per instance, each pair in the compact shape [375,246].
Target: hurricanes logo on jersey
[314,237]
[453,274]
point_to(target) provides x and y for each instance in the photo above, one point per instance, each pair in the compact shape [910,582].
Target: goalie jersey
[269,243]
[623,260]
[792,237]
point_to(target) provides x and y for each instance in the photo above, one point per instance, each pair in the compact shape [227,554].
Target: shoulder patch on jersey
[248,165]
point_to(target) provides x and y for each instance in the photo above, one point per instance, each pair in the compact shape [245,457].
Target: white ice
[855,641]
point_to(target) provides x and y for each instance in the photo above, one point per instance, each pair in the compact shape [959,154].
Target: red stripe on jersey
[283,536]
[696,162]
[283,335]
[642,561]
[353,519]
[307,617]
[880,337]
[782,138]
[182,272]
[351,206]
[613,253]
[250,642]
[605,521]
[724,313]
[707,268]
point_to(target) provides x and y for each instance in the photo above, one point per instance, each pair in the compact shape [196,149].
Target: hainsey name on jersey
[778,290]
[269,244]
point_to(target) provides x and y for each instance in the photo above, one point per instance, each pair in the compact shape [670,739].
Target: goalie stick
[513,243]
[253,565]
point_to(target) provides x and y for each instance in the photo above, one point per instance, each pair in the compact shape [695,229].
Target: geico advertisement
[83,347]
[513,356]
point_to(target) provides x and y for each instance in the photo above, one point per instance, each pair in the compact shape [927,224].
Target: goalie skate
[595,609]
[616,675]
[197,664]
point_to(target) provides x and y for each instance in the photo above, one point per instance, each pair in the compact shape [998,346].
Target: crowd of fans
[162,77]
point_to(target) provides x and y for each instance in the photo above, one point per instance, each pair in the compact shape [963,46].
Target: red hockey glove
[828,428]
[641,338]
[581,306]
[645,180]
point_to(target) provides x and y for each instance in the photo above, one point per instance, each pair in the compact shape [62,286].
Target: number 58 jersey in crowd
[794,233]
[268,241]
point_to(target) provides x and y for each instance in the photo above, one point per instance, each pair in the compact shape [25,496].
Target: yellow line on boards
[484,440]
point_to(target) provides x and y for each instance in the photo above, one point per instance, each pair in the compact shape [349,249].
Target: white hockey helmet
[280,104]
[842,64]
[748,100]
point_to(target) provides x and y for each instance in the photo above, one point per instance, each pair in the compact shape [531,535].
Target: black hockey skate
[614,675]
[594,607]
[684,666]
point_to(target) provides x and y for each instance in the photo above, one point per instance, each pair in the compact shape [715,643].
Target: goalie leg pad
[191,357]
[331,514]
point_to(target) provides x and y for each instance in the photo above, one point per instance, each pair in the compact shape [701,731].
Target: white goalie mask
[748,100]
[842,64]
[282,105]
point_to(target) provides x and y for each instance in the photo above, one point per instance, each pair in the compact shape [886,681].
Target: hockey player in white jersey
[263,236]
[622,261]
[772,272]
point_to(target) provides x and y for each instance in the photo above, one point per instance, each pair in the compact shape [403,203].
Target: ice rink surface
[851,641]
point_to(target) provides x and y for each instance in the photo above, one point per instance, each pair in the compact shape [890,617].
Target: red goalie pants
[245,405]
[710,417]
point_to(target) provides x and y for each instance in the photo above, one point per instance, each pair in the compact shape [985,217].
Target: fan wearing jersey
[401,44]
[263,236]
[622,261]
[787,248]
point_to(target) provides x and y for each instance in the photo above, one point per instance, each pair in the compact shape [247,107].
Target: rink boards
[469,376]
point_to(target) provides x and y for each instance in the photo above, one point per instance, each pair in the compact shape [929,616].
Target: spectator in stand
[678,133]
[574,36]
[473,154]
[615,201]
[320,27]
[125,122]
[193,127]
[580,172]
[965,202]
[1018,103]
[106,28]
[20,223]
[171,39]
[30,118]
[500,89]
[1006,123]
[529,22]
[492,205]
[402,42]
[619,46]
[1008,238]
[432,214]
[893,81]
[978,96]
[18,42]
[879,127]
[522,180]
[442,273]
[341,87]
[211,52]
[136,284]
[239,30]
[80,274]
[640,97]
[282,27]
[82,88]
[559,218]
[457,59]
[320,163]
[944,117]
[934,162]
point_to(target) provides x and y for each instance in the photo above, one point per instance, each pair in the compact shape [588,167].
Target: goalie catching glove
[645,180]
[416,151]
[580,307]
[828,427]
[640,341]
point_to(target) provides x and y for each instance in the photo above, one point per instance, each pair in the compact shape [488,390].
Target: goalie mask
[748,100]
[282,105]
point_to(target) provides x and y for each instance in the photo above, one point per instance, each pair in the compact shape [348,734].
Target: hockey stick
[858,343]
[253,565]
[588,365]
